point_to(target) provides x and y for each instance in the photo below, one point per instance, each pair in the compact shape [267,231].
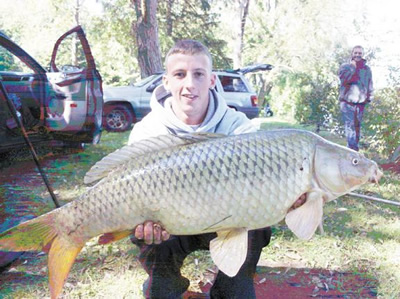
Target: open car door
[24,80]
[78,102]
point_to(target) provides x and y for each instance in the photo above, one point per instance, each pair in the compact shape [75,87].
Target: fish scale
[196,184]
[244,165]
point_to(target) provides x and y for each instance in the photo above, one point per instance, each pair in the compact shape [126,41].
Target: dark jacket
[355,83]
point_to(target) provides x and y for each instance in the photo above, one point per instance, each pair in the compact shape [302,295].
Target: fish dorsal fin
[229,250]
[304,220]
[201,136]
[103,167]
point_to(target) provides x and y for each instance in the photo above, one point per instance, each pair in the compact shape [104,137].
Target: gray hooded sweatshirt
[161,120]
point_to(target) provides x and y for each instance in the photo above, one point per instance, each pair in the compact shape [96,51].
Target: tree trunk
[396,155]
[264,89]
[242,10]
[74,48]
[169,17]
[145,30]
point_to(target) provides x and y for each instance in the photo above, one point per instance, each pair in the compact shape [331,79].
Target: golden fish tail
[33,235]
[62,256]
[39,234]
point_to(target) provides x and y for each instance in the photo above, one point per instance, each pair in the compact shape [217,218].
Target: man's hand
[151,233]
[353,62]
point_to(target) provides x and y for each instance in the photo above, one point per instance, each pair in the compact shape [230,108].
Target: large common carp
[197,184]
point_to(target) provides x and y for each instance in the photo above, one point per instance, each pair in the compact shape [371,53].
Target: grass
[360,237]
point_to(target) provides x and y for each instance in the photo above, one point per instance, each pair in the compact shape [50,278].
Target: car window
[70,55]
[232,84]
[145,81]
[153,85]
[11,63]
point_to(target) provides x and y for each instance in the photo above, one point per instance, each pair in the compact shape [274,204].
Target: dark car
[62,103]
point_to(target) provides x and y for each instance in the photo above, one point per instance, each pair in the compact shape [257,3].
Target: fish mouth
[376,176]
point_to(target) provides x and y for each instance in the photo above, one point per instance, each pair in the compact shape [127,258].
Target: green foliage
[288,88]
[7,61]
[298,39]
[382,122]
[189,20]
[113,46]
[319,101]
[307,99]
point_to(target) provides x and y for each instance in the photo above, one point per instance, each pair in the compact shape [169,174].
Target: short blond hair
[188,47]
[357,47]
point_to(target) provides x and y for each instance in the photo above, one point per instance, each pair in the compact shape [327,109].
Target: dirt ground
[275,283]
[395,167]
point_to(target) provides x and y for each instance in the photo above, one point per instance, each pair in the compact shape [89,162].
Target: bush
[382,122]
[308,98]
[287,89]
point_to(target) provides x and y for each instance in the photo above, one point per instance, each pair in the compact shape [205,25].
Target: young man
[188,103]
[355,92]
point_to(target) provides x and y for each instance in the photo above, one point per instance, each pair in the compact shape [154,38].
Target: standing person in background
[355,92]
[187,103]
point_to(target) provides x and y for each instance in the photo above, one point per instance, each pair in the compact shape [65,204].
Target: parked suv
[125,105]
[64,103]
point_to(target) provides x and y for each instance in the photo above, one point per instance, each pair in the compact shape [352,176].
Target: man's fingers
[157,233]
[165,235]
[139,232]
[148,232]
[151,233]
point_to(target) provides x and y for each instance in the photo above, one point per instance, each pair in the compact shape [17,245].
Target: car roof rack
[249,69]
[244,70]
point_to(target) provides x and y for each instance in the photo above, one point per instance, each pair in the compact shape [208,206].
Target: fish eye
[354,161]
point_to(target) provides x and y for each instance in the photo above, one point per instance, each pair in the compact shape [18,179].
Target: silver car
[125,105]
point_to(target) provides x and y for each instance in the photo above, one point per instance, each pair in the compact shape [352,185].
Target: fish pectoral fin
[114,236]
[229,250]
[304,220]
[62,255]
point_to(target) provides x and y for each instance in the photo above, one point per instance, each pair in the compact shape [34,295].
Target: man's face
[357,54]
[189,78]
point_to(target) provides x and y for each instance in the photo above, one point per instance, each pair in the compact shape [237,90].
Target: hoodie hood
[160,104]
[161,120]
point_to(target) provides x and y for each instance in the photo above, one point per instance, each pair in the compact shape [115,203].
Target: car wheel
[118,118]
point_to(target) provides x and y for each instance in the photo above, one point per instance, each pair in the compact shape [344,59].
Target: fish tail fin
[40,234]
[62,256]
[32,235]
